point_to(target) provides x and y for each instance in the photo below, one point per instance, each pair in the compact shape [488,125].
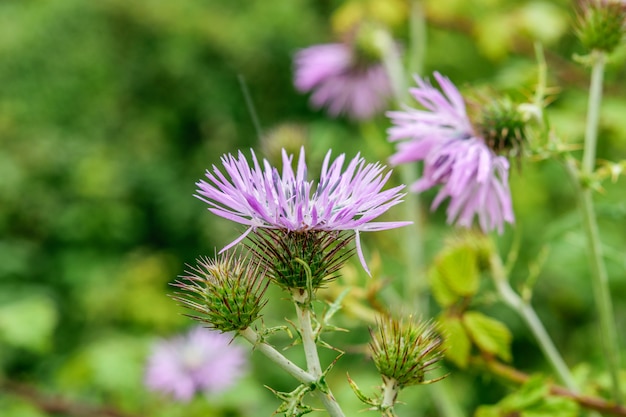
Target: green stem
[527,313]
[275,356]
[415,289]
[599,276]
[417,33]
[593,112]
[389,396]
[303,310]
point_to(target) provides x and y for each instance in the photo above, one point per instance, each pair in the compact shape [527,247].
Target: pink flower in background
[201,361]
[340,82]
[454,156]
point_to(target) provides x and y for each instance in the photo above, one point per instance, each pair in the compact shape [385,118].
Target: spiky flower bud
[404,351]
[601,24]
[502,126]
[227,292]
[301,260]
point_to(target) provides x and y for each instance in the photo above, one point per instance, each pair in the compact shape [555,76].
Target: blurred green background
[111,110]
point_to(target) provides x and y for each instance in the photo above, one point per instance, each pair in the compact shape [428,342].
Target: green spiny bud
[227,291]
[602,24]
[502,126]
[404,351]
[301,260]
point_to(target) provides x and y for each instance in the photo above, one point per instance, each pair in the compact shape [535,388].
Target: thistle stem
[303,310]
[599,276]
[527,313]
[414,288]
[389,396]
[275,356]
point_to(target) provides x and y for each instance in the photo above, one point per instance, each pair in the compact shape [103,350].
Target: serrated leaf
[458,267]
[490,335]
[444,296]
[456,342]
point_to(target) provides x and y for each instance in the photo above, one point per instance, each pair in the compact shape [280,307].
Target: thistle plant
[300,233]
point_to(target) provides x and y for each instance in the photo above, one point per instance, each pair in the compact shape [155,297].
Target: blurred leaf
[553,407]
[28,322]
[352,13]
[488,411]
[544,21]
[490,335]
[456,342]
[529,394]
[495,35]
[113,363]
[459,268]
[443,294]
[531,400]
[17,407]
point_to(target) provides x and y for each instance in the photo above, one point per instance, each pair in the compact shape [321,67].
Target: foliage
[111,110]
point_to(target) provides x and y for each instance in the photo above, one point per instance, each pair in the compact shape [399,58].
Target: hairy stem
[527,313]
[389,396]
[275,356]
[599,276]
[305,328]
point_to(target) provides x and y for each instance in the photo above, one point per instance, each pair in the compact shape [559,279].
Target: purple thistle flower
[263,198]
[203,360]
[341,82]
[454,156]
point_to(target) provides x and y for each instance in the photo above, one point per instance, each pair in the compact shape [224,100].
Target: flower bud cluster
[227,291]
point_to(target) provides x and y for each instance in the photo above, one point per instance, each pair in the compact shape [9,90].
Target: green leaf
[444,296]
[488,411]
[532,400]
[28,322]
[490,335]
[553,407]
[457,344]
[458,268]
[531,393]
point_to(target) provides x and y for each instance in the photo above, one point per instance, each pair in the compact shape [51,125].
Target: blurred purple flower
[341,81]
[203,360]
[454,156]
[263,198]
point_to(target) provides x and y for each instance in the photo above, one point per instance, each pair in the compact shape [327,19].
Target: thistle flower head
[264,198]
[342,79]
[454,157]
[201,361]
[404,351]
[602,24]
[227,292]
